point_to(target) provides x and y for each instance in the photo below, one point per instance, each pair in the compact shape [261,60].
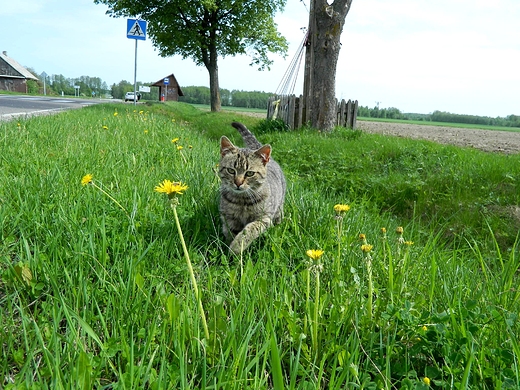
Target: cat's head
[242,169]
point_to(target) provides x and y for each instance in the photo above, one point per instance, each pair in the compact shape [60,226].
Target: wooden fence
[289,108]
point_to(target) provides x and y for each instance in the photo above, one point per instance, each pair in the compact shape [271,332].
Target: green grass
[95,293]
[233,109]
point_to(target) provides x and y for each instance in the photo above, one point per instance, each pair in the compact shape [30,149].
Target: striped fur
[252,190]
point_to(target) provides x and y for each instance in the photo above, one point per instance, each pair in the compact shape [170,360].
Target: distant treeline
[234,98]
[438,116]
[95,87]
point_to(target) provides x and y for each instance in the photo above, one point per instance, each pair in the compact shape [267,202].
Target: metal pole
[135,75]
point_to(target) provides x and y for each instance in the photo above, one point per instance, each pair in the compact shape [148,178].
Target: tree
[203,30]
[326,23]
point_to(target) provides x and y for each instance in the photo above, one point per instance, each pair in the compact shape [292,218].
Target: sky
[460,56]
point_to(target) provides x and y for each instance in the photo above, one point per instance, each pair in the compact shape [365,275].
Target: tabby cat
[252,190]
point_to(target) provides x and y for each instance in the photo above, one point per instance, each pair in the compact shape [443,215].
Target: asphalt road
[14,106]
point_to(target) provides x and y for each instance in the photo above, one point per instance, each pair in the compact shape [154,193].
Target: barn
[169,88]
[13,76]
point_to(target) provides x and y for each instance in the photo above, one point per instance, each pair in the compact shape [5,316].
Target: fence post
[354,114]
[270,108]
[291,105]
[299,119]
[349,113]
[342,108]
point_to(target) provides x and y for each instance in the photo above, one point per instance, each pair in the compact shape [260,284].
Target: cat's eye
[250,173]
[231,171]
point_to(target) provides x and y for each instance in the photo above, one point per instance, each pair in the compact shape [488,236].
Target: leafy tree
[203,30]
[325,28]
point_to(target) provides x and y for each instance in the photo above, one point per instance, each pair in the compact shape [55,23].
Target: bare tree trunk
[328,25]
[214,88]
[209,57]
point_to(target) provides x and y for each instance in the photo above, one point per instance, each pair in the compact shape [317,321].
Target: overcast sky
[461,56]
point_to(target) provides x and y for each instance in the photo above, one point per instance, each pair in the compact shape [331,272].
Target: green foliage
[199,29]
[205,30]
[94,290]
[234,98]
[413,179]
[270,126]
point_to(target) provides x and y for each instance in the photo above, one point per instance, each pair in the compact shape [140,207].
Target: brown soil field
[507,142]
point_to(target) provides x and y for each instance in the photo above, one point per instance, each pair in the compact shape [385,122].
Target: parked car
[129,96]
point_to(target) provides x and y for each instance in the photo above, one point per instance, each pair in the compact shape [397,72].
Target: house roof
[160,83]
[17,67]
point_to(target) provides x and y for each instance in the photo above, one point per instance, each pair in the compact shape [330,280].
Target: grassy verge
[95,292]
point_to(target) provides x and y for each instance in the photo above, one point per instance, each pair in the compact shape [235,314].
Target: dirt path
[487,140]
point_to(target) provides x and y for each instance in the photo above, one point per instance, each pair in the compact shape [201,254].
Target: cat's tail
[248,137]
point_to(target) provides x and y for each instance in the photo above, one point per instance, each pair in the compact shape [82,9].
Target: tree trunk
[209,58]
[214,88]
[325,36]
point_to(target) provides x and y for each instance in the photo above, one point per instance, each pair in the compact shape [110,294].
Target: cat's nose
[239,180]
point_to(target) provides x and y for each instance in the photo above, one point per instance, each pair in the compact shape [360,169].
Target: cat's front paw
[237,246]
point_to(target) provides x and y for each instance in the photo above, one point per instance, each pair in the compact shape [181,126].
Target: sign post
[166,81]
[44,76]
[136,29]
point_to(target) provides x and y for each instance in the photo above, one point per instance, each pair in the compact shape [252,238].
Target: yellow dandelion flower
[115,113]
[341,208]
[190,146]
[175,140]
[409,243]
[146,131]
[87,179]
[399,230]
[362,237]
[18,124]
[105,127]
[383,230]
[171,188]
[179,147]
[141,112]
[426,381]
[366,248]
[314,254]
[424,328]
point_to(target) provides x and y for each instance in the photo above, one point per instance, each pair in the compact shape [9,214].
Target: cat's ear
[226,146]
[264,153]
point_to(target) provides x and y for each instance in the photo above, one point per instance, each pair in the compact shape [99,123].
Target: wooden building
[169,88]
[13,76]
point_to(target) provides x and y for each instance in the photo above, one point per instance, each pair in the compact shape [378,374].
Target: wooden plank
[354,115]
[290,111]
[299,115]
[349,114]
[343,107]
[270,108]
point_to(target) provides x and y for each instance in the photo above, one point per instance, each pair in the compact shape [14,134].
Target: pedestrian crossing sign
[136,29]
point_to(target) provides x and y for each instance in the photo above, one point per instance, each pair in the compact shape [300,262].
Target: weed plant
[357,288]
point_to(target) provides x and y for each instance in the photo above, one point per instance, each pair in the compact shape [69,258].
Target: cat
[252,191]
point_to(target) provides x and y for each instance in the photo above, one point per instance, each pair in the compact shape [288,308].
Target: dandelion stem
[370,287]
[191,272]
[316,312]
[307,296]
[183,157]
[110,197]
[339,226]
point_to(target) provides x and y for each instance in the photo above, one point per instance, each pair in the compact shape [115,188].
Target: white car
[129,96]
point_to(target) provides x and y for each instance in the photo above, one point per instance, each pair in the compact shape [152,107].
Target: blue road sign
[136,29]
